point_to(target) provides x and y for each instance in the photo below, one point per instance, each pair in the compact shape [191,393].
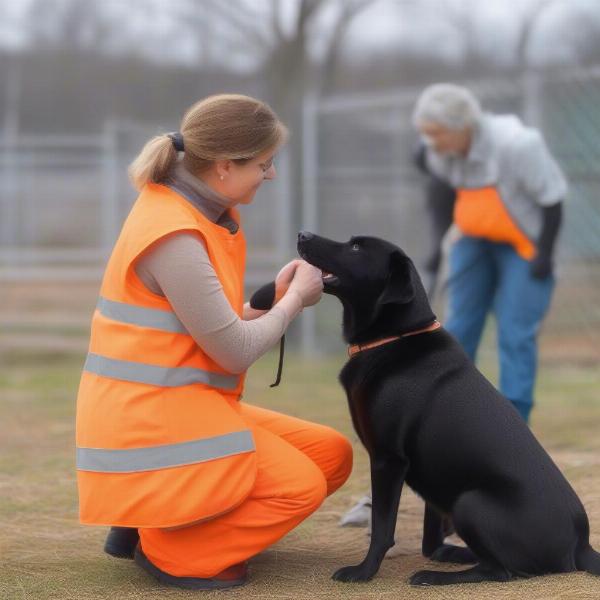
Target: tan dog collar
[355,348]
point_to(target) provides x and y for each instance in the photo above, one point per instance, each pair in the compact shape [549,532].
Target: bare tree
[464,17]
[284,44]
[69,24]
[582,33]
[527,25]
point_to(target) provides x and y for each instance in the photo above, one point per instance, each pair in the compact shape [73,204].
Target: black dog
[427,416]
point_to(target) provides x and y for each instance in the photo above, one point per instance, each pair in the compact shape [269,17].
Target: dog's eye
[355,246]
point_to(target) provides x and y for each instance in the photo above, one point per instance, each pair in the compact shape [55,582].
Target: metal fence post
[531,84]
[111,221]
[10,147]
[9,191]
[284,207]
[309,203]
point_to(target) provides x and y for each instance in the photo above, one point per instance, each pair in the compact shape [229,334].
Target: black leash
[263,299]
[280,365]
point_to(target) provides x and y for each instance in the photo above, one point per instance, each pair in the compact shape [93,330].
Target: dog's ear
[399,287]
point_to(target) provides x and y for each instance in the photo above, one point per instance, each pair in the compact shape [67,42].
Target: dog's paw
[423,578]
[454,554]
[353,574]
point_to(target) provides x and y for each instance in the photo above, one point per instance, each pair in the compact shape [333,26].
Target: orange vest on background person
[160,441]
[480,212]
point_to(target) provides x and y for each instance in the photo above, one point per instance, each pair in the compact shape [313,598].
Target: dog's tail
[589,560]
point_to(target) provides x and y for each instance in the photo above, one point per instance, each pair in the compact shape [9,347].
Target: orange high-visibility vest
[160,441]
[480,212]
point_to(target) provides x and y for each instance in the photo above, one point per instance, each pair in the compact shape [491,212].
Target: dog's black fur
[429,418]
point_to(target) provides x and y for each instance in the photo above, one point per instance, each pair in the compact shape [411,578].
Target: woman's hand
[307,281]
[285,276]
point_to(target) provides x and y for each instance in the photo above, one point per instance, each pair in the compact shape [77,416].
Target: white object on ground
[359,515]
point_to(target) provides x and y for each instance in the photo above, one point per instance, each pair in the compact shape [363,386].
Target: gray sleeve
[538,172]
[179,264]
[439,166]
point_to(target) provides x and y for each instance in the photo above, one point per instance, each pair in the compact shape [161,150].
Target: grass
[46,554]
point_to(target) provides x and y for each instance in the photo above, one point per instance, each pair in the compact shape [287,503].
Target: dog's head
[374,279]
[365,270]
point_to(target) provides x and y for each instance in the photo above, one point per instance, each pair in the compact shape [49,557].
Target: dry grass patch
[46,554]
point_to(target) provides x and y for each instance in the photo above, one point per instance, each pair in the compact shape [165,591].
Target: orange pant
[299,463]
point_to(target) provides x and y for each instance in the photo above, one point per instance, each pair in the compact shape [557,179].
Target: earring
[221,178]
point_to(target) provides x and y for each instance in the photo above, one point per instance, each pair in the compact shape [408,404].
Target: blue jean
[488,276]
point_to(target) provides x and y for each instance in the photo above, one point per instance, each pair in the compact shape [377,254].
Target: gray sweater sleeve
[178,267]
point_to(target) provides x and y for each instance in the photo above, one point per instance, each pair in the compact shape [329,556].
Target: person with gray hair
[508,211]
[446,104]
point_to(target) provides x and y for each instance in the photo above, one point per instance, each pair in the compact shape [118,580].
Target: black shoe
[230,577]
[121,542]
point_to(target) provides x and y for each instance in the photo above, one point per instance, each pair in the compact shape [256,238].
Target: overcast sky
[388,24]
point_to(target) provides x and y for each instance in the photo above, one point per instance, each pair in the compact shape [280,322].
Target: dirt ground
[46,554]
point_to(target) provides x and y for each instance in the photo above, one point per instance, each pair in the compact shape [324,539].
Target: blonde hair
[224,126]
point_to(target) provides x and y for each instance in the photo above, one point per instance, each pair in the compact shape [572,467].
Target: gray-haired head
[452,106]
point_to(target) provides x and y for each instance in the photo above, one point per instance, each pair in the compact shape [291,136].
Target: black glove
[541,266]
[267,295]
[263,299]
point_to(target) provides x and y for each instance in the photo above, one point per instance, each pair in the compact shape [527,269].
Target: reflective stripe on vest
[165,456]
[136,372]
[154,318]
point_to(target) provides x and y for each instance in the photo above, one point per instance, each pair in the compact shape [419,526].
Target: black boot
[230,577]
[121,542]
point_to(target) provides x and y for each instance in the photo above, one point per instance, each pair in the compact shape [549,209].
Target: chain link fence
[367,183]
[63,198]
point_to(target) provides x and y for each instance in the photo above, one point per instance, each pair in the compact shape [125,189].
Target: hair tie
[177,140]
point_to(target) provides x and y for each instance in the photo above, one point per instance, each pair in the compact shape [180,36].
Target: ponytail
[153,162]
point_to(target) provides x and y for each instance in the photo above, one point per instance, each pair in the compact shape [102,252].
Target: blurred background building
[86,83]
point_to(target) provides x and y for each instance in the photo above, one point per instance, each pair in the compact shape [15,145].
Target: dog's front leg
[387,479]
